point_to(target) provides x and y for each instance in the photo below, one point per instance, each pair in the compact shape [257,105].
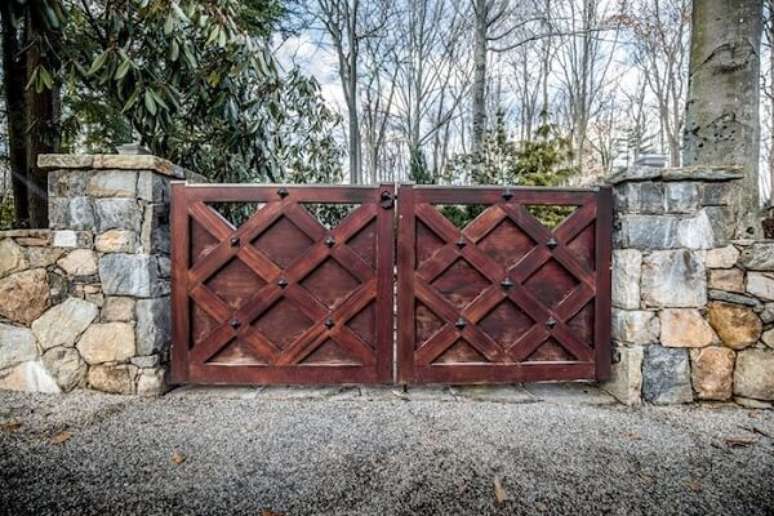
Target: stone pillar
[687,305]
[104,321]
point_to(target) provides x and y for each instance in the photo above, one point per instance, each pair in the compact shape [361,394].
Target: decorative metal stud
[282,192]
[234,241]
[329,323]
[282,282]
[551,243]
[460,324]
[551,322]
[330,241]
[506,283]
[461,243]
[387,200]
[235,323]
[507,194]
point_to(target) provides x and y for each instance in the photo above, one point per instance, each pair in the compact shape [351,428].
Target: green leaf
[169,24]
[46,78]
[150,105]
[98,62]
[174,51]
[132,100]
[123,68]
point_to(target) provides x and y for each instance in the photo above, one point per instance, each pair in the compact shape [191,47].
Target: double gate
[295,284]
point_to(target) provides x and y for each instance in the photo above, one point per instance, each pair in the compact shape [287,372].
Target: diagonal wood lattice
[282,299]
[505,299]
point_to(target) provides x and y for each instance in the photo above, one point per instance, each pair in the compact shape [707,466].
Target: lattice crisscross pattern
[503,299]
[281,298]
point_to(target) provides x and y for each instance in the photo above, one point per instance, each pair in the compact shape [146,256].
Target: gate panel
[282,298]
[504,299]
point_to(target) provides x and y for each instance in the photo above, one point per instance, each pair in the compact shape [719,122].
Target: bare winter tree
[347,23]
[660,36]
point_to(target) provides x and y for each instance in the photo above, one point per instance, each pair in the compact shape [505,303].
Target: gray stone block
[716,194]
[118,214]
[758,257]
[674,279]
[131,275]
[666,375]
[649,232]
[682,197]
[153,325]
[153,187]
[696,232]
[651,198]
[627,265]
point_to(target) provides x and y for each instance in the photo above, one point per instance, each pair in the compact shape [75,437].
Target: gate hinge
[387,200]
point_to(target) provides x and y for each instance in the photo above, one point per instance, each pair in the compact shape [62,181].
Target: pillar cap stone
[112,162]
[695,173]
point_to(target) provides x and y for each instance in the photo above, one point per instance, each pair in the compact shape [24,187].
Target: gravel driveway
[379,451]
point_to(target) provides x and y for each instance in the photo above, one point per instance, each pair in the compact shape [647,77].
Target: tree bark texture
[722,125]
[479,73]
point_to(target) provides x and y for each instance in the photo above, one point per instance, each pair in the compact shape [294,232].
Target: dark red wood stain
[504,299]
[281,299]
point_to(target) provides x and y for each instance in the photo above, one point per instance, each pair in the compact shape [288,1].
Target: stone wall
[86,303]
[693,312]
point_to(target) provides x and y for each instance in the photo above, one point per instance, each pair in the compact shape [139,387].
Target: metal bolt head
[282,282]
[551,322]
[551,243]
[507,195]
[235,241]
[460,324]
[330,241]
[461,243]
[329,323]
[235,323]
[506,283]
[282,192]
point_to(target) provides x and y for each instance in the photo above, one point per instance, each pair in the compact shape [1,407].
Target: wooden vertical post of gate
[604,250]
[179,257]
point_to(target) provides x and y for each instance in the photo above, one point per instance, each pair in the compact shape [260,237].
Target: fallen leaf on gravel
[736,442]
[500,494]
[633,435]
[269,512]
[178,457]
[10,426]
[61,437]
[695,486]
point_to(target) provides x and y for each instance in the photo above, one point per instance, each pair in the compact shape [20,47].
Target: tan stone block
[80,262]
[685,328]
[117,379]
[12,257]
[24,295]
[118,309]
[731,280]
[107,342]
[754,374]
[117,241]
[722,257]
[43,256]
[712,372]
[737,326]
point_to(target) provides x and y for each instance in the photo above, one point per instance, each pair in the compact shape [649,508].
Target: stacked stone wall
[86,303]
[693,312]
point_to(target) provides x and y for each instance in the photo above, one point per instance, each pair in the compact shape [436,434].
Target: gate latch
[387,200]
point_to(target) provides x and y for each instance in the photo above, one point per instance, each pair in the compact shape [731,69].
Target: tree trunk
[771,92]
[43,118]
[479,73]
[14,68]
[722,125]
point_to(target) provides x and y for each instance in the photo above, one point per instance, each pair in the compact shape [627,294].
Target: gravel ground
[379,452]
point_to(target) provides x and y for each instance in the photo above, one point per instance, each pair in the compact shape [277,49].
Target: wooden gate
[504,299]
[281,298]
